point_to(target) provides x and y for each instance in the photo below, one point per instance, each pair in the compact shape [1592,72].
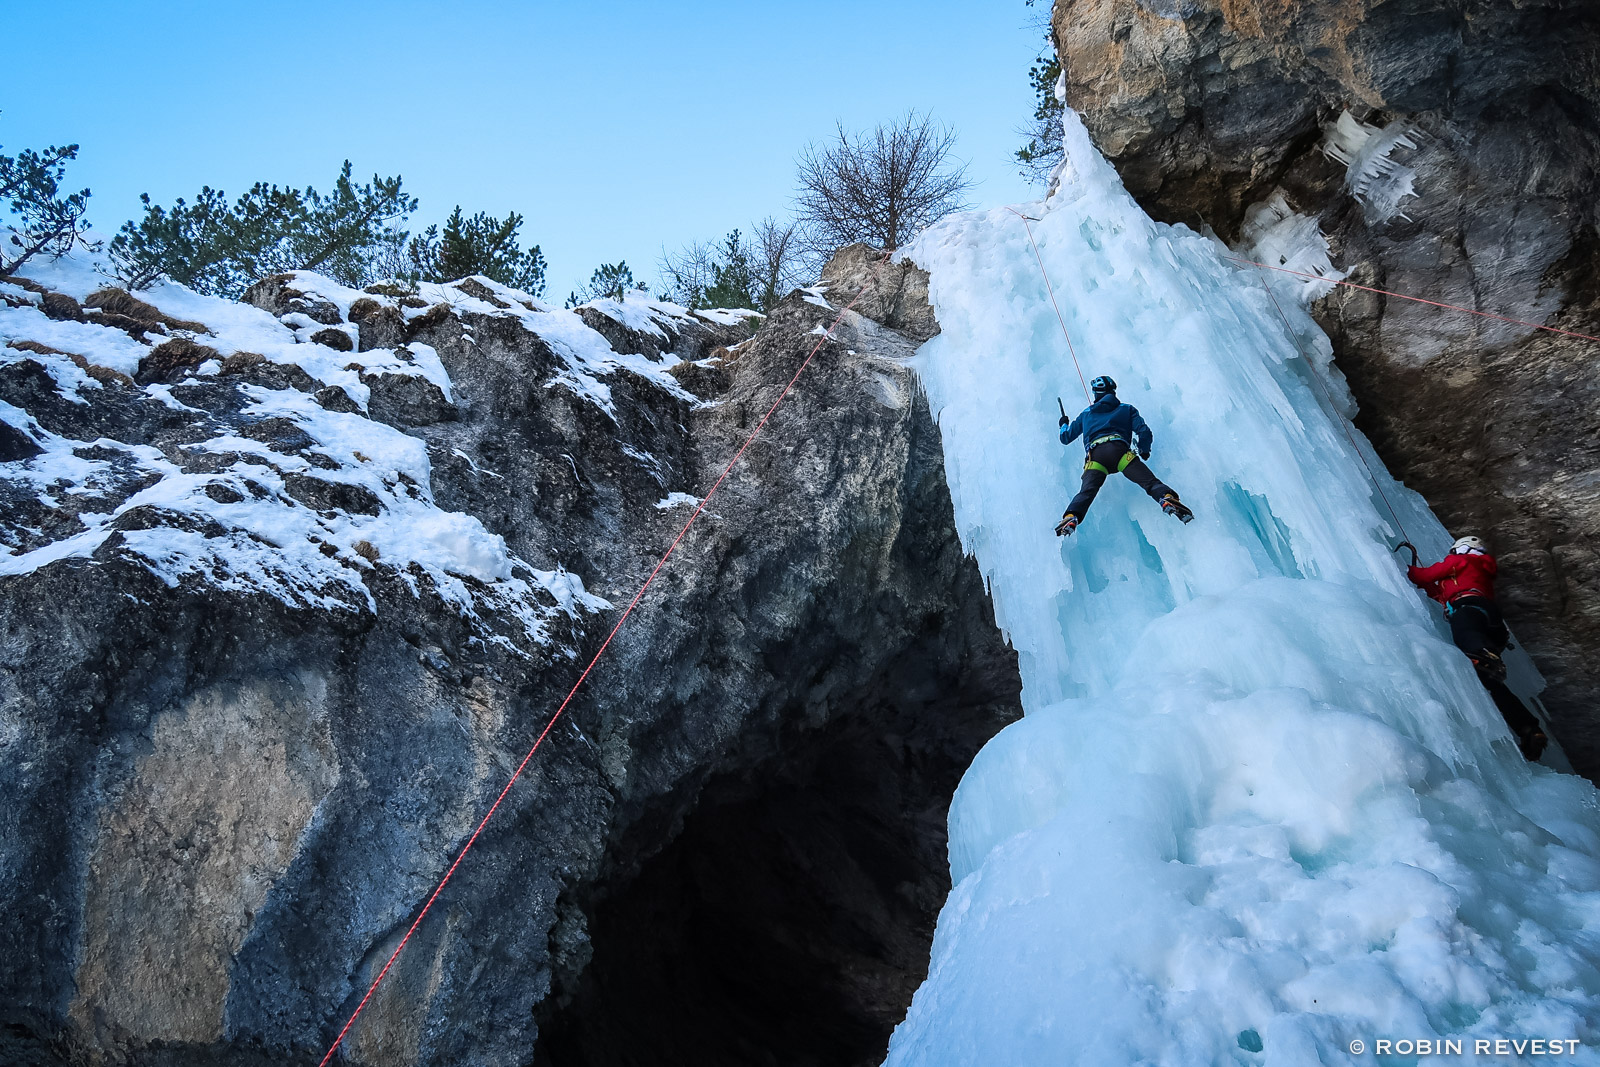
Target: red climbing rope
[662,562]
[1051,290]
[1416,299]
[1315,377]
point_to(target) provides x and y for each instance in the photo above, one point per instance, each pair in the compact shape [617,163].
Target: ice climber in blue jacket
[1111,432]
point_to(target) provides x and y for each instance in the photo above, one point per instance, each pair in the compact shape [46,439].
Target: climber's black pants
[1476,625]
[1108,456]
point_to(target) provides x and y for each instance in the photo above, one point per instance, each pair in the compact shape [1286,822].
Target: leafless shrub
[746,272]
[689,272]
[881,187]
[779,265]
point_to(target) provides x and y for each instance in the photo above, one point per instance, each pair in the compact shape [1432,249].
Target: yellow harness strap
[1127,458]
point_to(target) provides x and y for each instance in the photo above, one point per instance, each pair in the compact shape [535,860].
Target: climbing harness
[1455,604]
[1122,464]
[637,597]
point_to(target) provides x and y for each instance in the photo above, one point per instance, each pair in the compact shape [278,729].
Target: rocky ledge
[294,584]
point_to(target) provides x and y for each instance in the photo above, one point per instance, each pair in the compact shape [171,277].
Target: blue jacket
[1109,417]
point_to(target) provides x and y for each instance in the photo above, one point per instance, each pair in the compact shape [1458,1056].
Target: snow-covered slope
[1259,808]
[215,441]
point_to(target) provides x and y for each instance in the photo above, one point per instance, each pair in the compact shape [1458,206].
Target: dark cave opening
[788,924]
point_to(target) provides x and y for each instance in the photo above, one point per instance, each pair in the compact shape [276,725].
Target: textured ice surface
[1259,806]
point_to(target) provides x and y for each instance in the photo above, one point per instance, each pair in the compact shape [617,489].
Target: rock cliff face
[294,586]
[1448,149]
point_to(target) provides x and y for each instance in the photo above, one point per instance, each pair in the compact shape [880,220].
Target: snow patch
[727,316]
[813,295]
[95,343]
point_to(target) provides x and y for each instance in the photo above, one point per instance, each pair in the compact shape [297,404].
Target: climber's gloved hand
[1064,420]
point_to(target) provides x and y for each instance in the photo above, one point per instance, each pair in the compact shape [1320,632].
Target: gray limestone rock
[225,804]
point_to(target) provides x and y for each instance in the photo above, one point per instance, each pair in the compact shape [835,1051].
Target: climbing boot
[1491,668]
[1068,523]
[1532,744]
[1172,506]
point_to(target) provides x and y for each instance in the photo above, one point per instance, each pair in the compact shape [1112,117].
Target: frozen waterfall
[1259,807]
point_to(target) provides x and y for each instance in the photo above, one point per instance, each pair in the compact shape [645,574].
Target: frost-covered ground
[212,441]
[1259,807]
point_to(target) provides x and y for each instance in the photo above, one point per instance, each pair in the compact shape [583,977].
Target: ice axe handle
[1062,406]
[1411,547]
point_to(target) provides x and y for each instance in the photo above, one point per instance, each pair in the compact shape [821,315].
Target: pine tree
[218,248]
[1043,150]
[734,284]
[42,220]
[610,281]
[739,273]
[482,245]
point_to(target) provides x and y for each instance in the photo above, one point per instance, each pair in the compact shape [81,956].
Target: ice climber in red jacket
[1464,583]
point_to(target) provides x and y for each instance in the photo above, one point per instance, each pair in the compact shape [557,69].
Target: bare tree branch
[688,272]
[881,188]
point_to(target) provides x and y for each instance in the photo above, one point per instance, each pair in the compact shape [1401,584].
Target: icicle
[1373,176]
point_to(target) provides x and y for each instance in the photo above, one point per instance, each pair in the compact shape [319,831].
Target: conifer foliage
[610,281]
[481,244]
[43,220]
[1040,156]
[216,247]
[1042,153]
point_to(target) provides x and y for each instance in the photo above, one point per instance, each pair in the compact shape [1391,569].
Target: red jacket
[1456,575]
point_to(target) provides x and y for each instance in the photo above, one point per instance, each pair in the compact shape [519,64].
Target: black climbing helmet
[1103,385]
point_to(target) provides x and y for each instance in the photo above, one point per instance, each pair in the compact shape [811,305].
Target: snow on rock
[246,456]
[728,316]
[814,294]
[1259,806]
[96,344]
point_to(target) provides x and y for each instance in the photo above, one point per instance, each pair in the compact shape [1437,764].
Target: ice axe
[1063,408]
[1408,545]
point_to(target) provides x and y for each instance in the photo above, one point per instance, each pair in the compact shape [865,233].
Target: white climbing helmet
[1468,545]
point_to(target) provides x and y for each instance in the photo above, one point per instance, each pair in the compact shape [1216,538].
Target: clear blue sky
[615,129]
